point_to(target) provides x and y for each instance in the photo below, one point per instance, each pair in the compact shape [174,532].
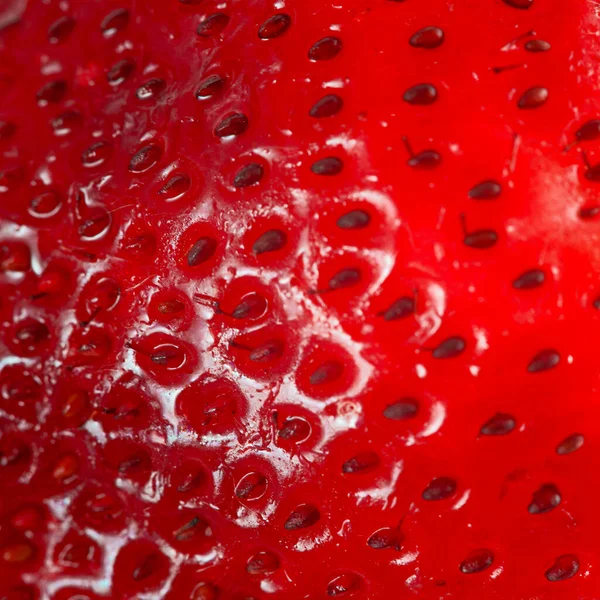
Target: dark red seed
[270,241]
[120,71]
[481,239]
[304,515]
[330,165]
[522,4]
[570,444]
[213,25]
[248,175]
[450,348]
[295,429]
[529,280]
[421,94]
[477,561]
[210,87]
[274,26]
[365,461]
[145,158]
[326,373]
[61,29]
[146,567]
[499,424]
[543,361]
[425,160]
[326,107]
[151,89]
[588,212]
[564,567]
[355,219]
[346,584]
[400,309]
[252,486]
[266,352]
[325,49]
[64,123]
[115,21]
[201,251]
[52,92]
[232,124]
[263,563]
[533,98]
[537,46]
[440,488]
[486,190]
[428,38]
[175,187]
[405,408]
[589,131]
[344,279]
[7,130]
[544,499]
[252,306]
[384,539]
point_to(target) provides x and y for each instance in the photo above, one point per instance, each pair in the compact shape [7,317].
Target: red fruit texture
[299,299]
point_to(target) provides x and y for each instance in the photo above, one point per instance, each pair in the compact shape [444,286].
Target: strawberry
[299,299]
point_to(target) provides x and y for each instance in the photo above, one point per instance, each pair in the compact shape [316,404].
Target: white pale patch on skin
[438,416]
[406,559]
[308,543]
[383,491]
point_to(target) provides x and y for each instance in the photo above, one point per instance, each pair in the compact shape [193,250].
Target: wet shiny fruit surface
[299,300]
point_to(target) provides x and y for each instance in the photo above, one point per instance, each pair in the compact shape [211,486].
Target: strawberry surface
[299,299]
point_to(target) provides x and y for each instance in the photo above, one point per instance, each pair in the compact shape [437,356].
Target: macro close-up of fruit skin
[299,299]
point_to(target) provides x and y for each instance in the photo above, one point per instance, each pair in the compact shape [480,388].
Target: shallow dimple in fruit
[64,123]
[499,424]
[563,568]
[401,410]
[145,158]
[529,279]
[327,106]
[570,444]
[544,499]
[533,98]
[328,372]
[428,38]
[45,205]
[477,561]
[589,131]
[421,94]
[345,584]
[521,4]
[544,361]
[295,429]
[274,26]
[325,49]
[439,488]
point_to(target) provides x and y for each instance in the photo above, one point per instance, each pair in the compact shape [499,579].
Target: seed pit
[449,348]
[274,26]
[403,409]
[61,29]
[533,98]
[344,585]
[115,21]
[421,94]
[440,488]
[355,219]
[546,498]
[477,561]
[544,361]
[248,175]
[529,280]
[570,444]
[499,424]
[486,190]
[251,486]
[262,563]
[145,158]
[270,241]
[364,461]
[325,49]
[564,567]
[303,516]
[427,38]
[213,25]
[327,166]
[328,106]
[202,250]
[232,125]
[210,87]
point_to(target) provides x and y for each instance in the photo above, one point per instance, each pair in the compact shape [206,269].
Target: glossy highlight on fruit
[299,300]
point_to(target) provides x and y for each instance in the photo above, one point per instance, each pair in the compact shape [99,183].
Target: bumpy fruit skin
[299,299]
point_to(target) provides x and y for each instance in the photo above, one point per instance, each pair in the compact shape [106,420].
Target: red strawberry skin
[299,300]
